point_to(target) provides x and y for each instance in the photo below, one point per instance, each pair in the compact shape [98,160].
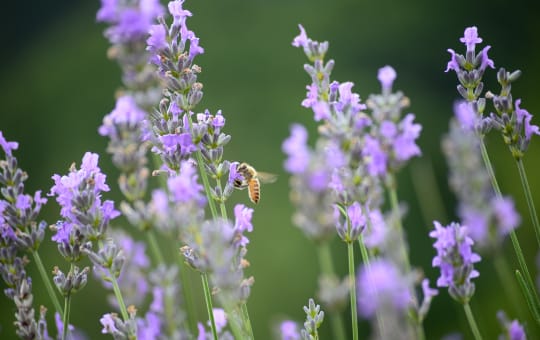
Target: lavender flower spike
[455,259]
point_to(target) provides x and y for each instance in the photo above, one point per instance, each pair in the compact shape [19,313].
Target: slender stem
[427,192]
[206,184]
[472,322]
[247,321]
[513,237]
[208,300]
[187,290]
[352,278]
[67,307]
[402,248]
[65,320]
[154,247]
[327,268]
[48,284]
[510,286]
[235,319]
[394,203]
[528,196]
[118,296]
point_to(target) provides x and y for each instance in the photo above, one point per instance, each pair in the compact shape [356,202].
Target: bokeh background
[56,84]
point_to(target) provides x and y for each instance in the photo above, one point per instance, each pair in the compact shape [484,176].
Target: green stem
[206,184]
[472,322]
[208,300]
[188,296]
[365,259]
[246,320]
[327,268]
[67,307]
[119,297]
[402,248]
[352,278]
[529,198]
[154,247]
[235,320]
[505,276]
[513,237]
[394,203]
[48,284]
[65,320]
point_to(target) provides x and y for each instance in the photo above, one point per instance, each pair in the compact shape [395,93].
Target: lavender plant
[344,184]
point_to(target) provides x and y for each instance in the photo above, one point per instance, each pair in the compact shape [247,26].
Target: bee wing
[266,177]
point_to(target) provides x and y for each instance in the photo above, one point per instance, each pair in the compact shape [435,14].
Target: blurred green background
[56,84]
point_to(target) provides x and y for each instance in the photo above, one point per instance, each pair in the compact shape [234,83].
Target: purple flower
[485,59]
[505,214]
[349,230]
[381,285]
[513,330]
[184,187]
[63,232]
[130,22]
[375,236]
[455,259]
[60,324]
[302,39]
[194,48]
[465,115]
[297,150]
[376,158]
[477,221]
[524,119]
[177,11]
[157,41]
[242,222]
[7,146]
[470,38]
[126,112]
[149,328]
[453,64]
[321,111]
[312,95]
[108,324]
[220,318]
[405,144]
[288,330]
[79,196]
[386,76]
[178,143]
[349,99]
[427,291]
[388,129]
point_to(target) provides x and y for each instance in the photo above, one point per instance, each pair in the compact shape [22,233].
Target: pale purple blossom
[297,150]
[456,260]
[376,158]
[470,38]
[506,215]
[184,187]
[524,119]
[126,112]
[130,20]
[301,40]
[288,330]
[382,285]
[242,222]
[7,146]
[465,115]
[386,77]
[405,143]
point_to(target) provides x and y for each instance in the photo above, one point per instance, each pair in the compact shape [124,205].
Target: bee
[252,180]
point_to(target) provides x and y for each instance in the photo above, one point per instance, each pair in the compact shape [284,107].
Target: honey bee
[252,180]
